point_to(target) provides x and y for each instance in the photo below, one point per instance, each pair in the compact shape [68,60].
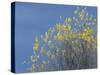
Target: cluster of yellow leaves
[63,27]
[46,38]
[63,32]
[36,44]
[86,34]
[60,37]
[68,20]
[73,35]
[81,15]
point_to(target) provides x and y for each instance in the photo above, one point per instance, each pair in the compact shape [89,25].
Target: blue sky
[32,19]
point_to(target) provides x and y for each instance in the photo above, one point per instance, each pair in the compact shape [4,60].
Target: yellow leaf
[44,62]
[35,47]
[69,27]
[68,20]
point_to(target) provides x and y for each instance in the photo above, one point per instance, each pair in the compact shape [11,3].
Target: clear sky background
[34,19]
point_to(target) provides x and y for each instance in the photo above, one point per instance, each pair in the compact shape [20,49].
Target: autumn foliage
[68,45]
